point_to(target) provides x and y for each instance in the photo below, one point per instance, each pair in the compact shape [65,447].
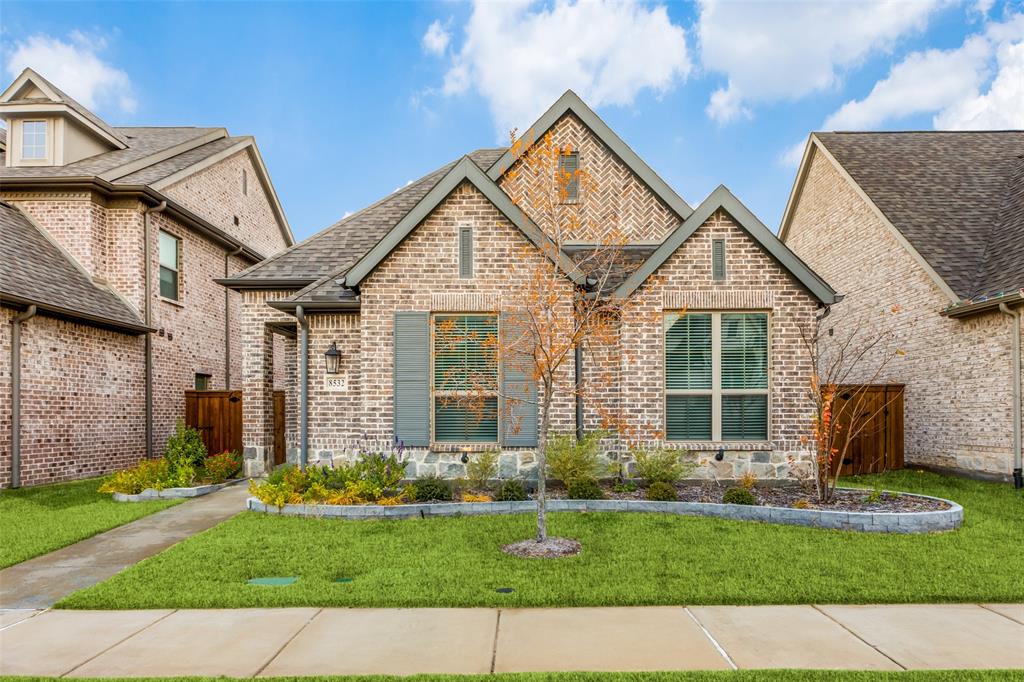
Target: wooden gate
[217,415]
[279,414]
[875,413]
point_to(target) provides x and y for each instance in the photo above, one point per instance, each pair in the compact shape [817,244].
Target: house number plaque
[336,383]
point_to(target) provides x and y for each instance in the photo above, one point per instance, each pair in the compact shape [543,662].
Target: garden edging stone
[173,493]
[870,522]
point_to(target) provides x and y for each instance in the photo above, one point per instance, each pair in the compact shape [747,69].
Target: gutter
[303,387]
[227,320]
[578,361]
[966,308]
[16,393]
[148,308]
[1018,477]
[319,306]
[74,315]
[243,284]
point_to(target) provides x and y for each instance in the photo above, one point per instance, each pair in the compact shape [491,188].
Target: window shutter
[718,259]
[518,384]
[744,350]
[465,252]
[412,378]
[688,352]
[745,417]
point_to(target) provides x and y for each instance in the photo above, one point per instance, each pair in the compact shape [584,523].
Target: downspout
[29,313]
[227,320]
[1018,477]
[300,315]
[579,396]
[148,308]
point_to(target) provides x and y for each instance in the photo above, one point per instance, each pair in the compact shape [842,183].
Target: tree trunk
[542,467]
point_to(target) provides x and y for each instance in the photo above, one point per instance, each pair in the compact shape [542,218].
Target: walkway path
[310,641]
[40,582]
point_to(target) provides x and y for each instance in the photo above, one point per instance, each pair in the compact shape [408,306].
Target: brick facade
[958,396]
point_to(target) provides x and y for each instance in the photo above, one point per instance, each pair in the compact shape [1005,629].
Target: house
[110,239]
[929,225]
[365,301]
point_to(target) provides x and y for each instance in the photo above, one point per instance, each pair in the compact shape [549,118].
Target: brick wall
[958,400]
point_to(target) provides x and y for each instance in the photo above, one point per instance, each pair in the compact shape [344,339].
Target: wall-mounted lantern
[332,358]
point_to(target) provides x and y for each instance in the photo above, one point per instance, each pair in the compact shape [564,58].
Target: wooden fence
[875,413]
[217,415]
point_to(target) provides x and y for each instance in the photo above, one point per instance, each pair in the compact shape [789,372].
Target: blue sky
[349,101]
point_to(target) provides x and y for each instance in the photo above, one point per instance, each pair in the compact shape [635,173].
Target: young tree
[845,365]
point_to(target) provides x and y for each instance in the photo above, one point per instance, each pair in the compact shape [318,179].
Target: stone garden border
[871,522]
[174,493]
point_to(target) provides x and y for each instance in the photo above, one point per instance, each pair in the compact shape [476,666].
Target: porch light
[332,358]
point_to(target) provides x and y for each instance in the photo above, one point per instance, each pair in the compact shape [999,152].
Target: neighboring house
[931,225]
[379,285]
[78,197]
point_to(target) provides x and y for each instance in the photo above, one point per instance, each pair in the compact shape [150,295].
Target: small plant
[584,489]
[748,480]
[625,487]
[738,496]
[511,490]
[185,447]
[876,495]
[570,459]
[473,497]
[222,466]
[382,471]
[658,465]
[481,470]
[431,488]
[149,473]
[802,504]
[660,491]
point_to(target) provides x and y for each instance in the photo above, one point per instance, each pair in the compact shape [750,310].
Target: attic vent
[570,163]
[236,220]
[465,252]
[718,259]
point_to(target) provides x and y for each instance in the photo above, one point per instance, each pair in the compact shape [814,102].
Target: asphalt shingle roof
[34,269]
[957,197]
[162,169]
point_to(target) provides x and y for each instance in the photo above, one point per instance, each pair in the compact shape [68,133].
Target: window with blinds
[716,376]
[569,163]
[464,378]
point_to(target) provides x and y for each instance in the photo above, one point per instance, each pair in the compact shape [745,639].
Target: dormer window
[33,140]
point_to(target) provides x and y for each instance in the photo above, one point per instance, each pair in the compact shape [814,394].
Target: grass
[40,520]
[677,676]
[628,559]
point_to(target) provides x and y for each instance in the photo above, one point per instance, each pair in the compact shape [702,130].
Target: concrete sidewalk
[40,582]
[310,641]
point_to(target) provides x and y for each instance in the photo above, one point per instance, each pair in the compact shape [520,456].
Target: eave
[74,315]
[967,308]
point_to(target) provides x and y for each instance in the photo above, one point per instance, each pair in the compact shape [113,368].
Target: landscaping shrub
[584,489]
[222,466]
[738,496]
[149,473]
[185,448]
[511,490]
[431,488]
[570,459]
[184,458]
[337,477]
[660,491]
[658,465]
[748,480]
[383,472]
[481,470]
[473,497]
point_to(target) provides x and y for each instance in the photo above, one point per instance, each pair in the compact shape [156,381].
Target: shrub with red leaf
[222,466]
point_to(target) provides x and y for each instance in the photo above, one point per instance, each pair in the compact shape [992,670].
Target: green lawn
[628,559]
[39,520]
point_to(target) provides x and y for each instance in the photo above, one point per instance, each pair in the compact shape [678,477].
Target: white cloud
[1001,107]
[773,51]
[76,68]
[521,56]
[437,37]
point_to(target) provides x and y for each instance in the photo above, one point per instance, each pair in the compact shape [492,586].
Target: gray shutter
[520,418]
[718,259]
[412,378]
[465,252]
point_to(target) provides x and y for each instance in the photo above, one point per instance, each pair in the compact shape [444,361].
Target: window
[718,259]
[465,252]
[33,140]
[245,183]
[570,163]
[203,382]
[170,258]
[716,376]
[465,378]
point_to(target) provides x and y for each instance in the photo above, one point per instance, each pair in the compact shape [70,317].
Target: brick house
[78,199]
[380,285]
[931,223]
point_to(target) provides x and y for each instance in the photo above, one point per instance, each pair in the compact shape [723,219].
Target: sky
[350,101]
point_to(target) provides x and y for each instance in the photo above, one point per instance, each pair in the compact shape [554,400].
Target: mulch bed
[551,548]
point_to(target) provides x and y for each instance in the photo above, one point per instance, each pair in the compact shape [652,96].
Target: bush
[185,448]
[472,497]
[511,490]
[383,472]
[738,496]
[584,489]
[660,491]
[481,469]
[659,465]
[430,488]
[337,477]
[223,466]
[569,459]
[149,473]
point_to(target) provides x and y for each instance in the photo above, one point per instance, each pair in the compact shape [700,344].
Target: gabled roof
[570,102]
[723,199]
[955,199]
[30,80]
[34,270]
[464,171]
